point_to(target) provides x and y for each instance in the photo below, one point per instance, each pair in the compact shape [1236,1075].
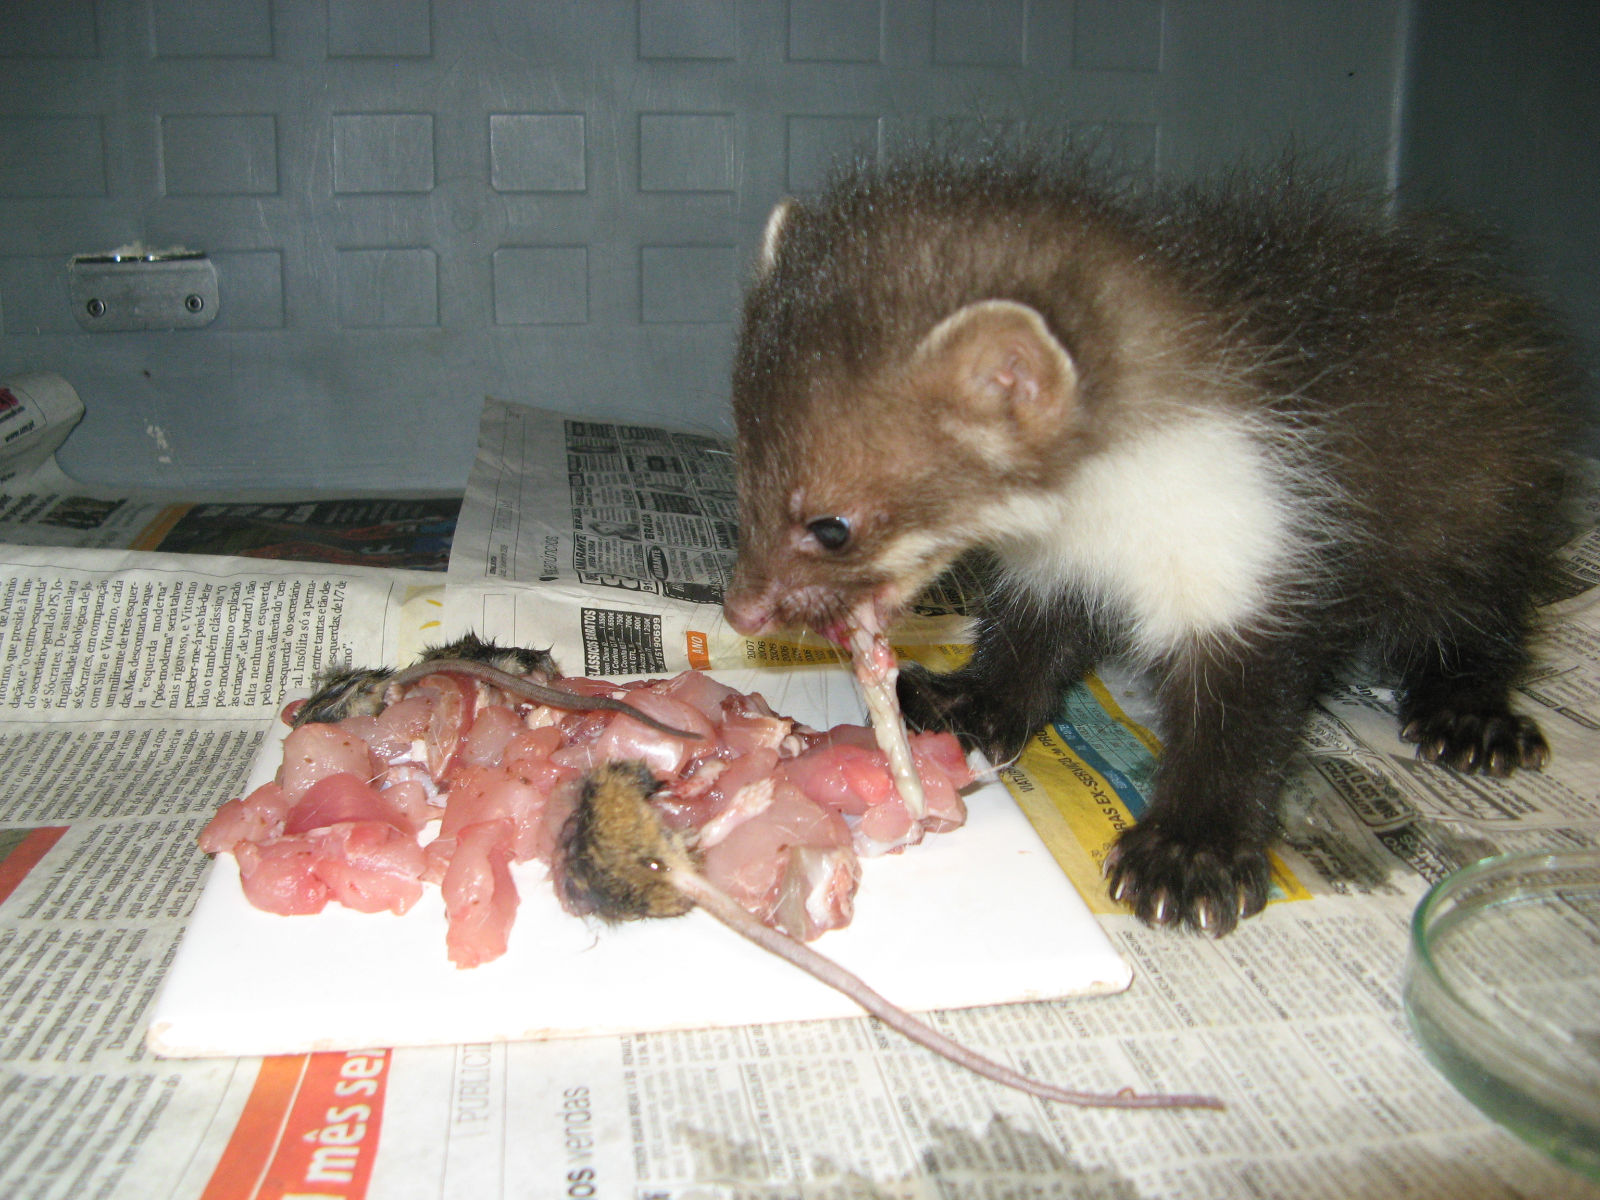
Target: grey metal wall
[1502,117]
[412,204]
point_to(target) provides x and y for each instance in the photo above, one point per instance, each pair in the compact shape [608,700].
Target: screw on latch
[96,307]
[194,302]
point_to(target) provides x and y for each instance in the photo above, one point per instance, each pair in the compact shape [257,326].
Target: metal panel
[410,204]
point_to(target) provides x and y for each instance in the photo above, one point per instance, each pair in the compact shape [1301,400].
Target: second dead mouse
[514,670]
[619,861]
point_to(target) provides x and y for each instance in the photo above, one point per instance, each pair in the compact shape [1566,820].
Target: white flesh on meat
[876,670]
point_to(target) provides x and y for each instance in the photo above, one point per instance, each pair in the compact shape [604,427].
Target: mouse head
[883,429]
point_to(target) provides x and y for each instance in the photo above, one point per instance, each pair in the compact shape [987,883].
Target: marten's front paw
[933,701]
[1207,888]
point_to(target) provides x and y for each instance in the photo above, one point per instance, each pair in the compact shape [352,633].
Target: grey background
[413,204]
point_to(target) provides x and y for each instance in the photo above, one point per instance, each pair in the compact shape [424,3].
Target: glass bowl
[1503,989]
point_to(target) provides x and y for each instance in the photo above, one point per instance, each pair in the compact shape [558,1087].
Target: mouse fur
[524,673]
[338,693]
[617,859]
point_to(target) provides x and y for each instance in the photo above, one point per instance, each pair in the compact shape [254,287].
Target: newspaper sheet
[634,527]
[149,681]
[48,508]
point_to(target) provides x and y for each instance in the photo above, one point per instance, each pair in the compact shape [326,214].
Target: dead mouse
[517,671]
[618,860]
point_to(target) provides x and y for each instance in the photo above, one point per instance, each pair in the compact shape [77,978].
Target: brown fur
[1410,401]
[617,858]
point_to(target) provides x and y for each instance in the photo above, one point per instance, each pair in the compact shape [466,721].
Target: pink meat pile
[780,813]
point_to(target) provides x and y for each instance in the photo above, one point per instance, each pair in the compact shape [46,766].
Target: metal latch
[139,289]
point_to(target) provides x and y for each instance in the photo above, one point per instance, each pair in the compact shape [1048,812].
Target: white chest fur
[1183,529]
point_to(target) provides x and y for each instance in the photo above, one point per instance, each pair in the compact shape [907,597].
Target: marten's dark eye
[831,532]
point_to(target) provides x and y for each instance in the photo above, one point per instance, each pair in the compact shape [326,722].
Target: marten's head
[903,382]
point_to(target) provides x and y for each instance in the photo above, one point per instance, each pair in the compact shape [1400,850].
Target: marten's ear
[772,235]
[1000,359]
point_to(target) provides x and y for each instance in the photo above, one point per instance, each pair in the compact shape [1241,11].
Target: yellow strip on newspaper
[1085,778]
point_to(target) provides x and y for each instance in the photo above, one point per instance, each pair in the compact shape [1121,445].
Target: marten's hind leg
[1455,702]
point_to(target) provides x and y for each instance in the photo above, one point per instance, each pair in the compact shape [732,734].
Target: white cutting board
[979,916]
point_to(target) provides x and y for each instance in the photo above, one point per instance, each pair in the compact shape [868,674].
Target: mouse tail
[835,976]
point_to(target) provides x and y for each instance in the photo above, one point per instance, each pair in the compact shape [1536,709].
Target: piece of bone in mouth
[876,670]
